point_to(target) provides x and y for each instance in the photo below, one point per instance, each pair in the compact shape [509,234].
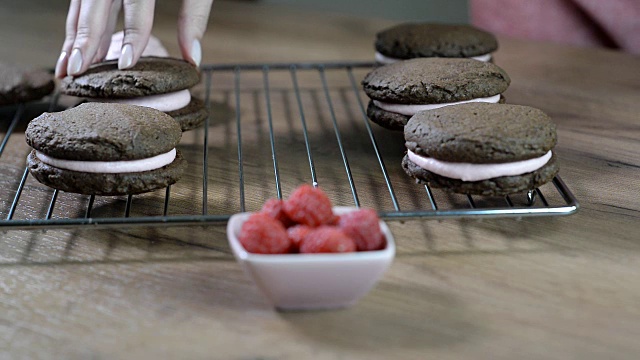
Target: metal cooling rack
[535,202]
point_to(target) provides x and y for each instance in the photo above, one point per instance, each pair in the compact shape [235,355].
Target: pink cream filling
[163,102]
[383,59]
[411,109]
[111,167]
[477,172]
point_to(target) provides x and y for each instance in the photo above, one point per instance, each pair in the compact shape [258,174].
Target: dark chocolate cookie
[150,76]
[106,132]
[413,40]
[435,81]
[391,120]
[481,133]
[498,186]
[19,84]
[192,115]
[97,133]
[106,184]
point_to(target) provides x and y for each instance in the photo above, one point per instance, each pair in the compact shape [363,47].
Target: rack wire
[400,199]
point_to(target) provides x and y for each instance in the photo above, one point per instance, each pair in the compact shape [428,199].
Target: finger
[192,24]
[70,36]
[138,20]
[105,41]
[92,21]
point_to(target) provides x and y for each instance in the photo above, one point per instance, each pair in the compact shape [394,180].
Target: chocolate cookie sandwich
[414,40]
[105,149]
[483,149]
[401,89]
[159,83]
[19,84]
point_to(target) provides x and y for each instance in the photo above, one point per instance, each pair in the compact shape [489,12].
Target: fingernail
[75,62]
[196,52]
[60,63]
[126,57]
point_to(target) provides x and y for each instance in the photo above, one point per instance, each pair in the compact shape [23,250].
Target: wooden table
[553,288]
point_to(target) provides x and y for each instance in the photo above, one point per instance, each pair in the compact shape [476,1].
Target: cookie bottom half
[103,183]
[191,116]
[499,186]
[386,119]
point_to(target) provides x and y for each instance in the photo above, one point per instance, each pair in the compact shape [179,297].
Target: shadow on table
[468,237]
[114,246]
[398,319]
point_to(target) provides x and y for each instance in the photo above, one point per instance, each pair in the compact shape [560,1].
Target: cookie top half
[435,80]
[104,132]
[481,133]
[413,40]
[150,76]
[18,84]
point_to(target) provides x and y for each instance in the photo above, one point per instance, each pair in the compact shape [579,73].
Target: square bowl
[312,281]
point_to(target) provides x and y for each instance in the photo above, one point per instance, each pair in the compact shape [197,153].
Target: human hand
[90,24]
[154,47]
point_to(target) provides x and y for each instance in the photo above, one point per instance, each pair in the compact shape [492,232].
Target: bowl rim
[236,221]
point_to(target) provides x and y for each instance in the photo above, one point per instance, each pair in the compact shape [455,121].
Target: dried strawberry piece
[327,239]
[309,206]
[273,208]
[335,220]
[364,228]
[296,234]
[262,234]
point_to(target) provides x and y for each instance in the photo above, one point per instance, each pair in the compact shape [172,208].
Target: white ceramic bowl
[312,281]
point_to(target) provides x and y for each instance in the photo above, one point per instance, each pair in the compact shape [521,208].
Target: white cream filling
[411,109]
[111,167]
[477,172]
[383,59]
[163,102]
[485,57]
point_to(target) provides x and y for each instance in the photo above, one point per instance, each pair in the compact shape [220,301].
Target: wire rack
[325,126]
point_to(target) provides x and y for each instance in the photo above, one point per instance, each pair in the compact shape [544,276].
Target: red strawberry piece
[364,228]
[327,239]
[262,234]
[296,234]
[309,206]
[273,208]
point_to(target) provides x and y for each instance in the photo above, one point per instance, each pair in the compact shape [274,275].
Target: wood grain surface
[530,288]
